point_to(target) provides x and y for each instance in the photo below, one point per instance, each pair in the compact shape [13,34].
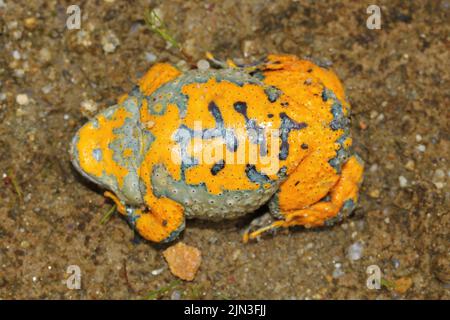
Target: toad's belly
[198,202]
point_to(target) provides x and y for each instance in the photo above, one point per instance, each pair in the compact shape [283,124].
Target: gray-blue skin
[196,200]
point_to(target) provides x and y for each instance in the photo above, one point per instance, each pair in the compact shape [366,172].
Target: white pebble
[110,42]
[89,106]
[403,181]
[22,99]
[373,168]
[418,137]
[176,295]
[157,271]
[47,89]
[337,272]
[421,148]
[355,251]
[410,165]
[16,55]
[150,57]
[19,73]
[439,185]
[439,174]
[203,64]
[380,117]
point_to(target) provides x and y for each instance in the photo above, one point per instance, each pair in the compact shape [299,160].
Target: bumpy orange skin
[308,173]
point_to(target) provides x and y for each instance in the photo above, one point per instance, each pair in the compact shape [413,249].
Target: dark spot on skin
[241,107]
[272,94]
[217,167]
[255,176]
[285,104]
[135,92]
[334,125]
[309,70]
[304,146]
[164,223]
[297,183]
[282,172]
[324,96]
[270,115]
[287,125]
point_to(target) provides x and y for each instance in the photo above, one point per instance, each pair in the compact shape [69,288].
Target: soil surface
[396,79]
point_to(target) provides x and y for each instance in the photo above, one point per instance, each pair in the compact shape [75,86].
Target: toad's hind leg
[341,198]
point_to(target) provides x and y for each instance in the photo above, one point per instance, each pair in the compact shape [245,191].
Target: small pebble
[374,193]
[19,73]
[439,185]
[110,42]
[30,23]
[176,295]
[380,117]
[403,181]
[395,263]
[183,260]
[373,168]
[150,57]
[45,55]
[363,125]
[355,251]
[418,137]
[157,271]
[421,148]
[337,272]
[25,244]
[16,55]
[88,108]
[248,48]
[439,174]
[47,89]
[22,99]
[410,165]
[203,64]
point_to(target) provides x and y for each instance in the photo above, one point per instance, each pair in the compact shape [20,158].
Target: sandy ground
[397,81]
